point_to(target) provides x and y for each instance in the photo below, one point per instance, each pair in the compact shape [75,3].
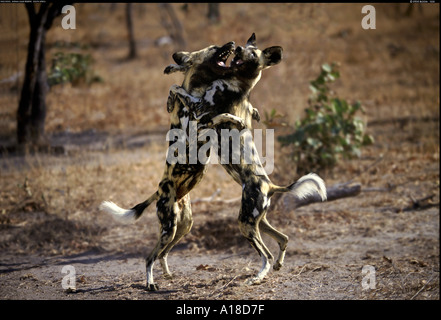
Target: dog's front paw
[256,115]
[239,123]
[175,88]
[171,103]
[170,69]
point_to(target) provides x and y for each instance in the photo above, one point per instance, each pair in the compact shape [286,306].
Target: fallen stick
[403,120]
[425,285]
[421,204]
[207,199]
[334,192]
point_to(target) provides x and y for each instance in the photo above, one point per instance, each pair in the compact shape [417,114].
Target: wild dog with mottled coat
[227,96]
[173,205]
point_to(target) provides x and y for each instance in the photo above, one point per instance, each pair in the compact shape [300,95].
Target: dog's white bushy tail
[120,214]
[128,215]
[309,185]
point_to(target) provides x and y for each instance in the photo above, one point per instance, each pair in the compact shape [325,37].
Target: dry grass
[393,70]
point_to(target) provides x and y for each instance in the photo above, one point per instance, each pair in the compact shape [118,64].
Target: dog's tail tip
[118,213]
[309,185]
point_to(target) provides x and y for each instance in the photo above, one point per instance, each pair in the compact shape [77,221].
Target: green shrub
[72,67]
[330,129]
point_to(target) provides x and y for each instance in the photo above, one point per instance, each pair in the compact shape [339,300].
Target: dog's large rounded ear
[272,55]
[252,40]
[181,57]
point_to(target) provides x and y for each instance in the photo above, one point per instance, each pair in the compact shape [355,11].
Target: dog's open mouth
[225,53]
[236,61]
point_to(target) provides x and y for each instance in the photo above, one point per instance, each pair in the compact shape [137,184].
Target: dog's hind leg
[184,224]
[167,211]
[281,239]
[250,231]
[251,213]
[227,117]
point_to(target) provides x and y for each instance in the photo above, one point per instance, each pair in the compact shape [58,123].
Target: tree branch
[334,192]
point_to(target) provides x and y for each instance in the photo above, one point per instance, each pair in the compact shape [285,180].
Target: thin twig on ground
[423,287]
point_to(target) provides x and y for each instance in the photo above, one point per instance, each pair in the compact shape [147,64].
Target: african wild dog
[227,96]
[173,200]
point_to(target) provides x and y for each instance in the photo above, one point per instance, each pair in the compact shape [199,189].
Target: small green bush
[72,67]
[330,129]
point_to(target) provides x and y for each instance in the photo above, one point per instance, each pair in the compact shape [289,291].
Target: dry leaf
[205,267]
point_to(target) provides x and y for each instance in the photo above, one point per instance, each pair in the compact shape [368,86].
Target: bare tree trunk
[174,29]
[38,113]
[25,130]
[132,43]
[411,7]
[31,112]
[213,12]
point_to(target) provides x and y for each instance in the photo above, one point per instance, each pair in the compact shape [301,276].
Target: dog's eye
[253,54]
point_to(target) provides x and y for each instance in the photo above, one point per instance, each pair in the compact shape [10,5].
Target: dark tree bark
[411,7]
[129,20]
[213,12]
[31,112]
[171,23]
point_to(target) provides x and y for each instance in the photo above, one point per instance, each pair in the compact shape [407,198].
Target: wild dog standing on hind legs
[173,206]
[173,200]
[229,95]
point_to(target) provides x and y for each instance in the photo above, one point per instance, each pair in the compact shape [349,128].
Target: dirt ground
[330,243]
[381,244]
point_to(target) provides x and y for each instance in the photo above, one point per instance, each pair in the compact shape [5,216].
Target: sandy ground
[373,246]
